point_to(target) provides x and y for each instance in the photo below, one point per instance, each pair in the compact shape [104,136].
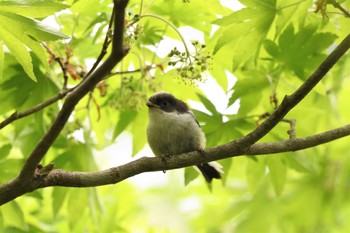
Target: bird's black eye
[165,103]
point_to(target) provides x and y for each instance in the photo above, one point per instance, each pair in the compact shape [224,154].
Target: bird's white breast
[171,133]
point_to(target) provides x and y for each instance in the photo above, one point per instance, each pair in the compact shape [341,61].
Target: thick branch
[26,182]
[118,52]
[148,164]
[299,143]
[291,101]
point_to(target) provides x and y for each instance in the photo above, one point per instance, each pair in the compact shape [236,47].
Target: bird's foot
[202,152]
[164,158]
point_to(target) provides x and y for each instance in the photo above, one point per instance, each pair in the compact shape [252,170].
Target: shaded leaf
[139,132]
[278,173]
[190,175]
[151,34]
[4,151]
[255,172]
[77,205]
[125,118]
[197,13]
[226,166]
[71,158]
[9,168]
[59,195]
[249,87]
[18,92]
[300,51]
[271,48]
[2,55]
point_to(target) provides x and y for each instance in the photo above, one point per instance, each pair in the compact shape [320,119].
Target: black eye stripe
[168,102]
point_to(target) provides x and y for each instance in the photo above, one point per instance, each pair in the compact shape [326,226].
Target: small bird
[173,129]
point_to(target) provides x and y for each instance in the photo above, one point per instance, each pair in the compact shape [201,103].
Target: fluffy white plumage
[166,141]
[173,129]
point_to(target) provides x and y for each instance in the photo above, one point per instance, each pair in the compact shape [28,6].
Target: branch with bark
[19,185]
[149,164]
[28,181]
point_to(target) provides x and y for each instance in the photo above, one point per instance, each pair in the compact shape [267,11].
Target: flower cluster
[190,67]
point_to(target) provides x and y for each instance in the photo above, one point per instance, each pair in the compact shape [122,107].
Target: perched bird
[173,129]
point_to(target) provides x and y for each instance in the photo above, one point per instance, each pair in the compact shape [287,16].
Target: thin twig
[18,115]
[117,54]
[291,101]
[291,122]
[106,43]
[60,62]
[290,5]
[338,6]
[292,132]
[146,68]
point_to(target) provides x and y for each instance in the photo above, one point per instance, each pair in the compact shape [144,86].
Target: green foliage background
[271,46]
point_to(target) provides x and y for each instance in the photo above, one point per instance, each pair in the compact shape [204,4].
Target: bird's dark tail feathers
[211,171]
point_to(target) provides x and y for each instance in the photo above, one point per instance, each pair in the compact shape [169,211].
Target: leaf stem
[171,25]
[338,6]
[292,4]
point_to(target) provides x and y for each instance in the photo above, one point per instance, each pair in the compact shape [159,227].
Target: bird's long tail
[211,171]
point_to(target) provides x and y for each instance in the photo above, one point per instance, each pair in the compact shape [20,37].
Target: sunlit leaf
[19,32]
[19,51]
[245,30]
[32,8]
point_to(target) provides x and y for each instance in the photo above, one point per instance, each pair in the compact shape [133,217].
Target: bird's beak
[152,105]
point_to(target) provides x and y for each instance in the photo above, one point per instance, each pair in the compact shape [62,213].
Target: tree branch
[106,43]
[117,54]
[337,5]
[148,164]
[26,182]
[291,101]
[18,115]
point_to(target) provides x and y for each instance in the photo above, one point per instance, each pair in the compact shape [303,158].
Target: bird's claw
[202,152]
[164,158]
